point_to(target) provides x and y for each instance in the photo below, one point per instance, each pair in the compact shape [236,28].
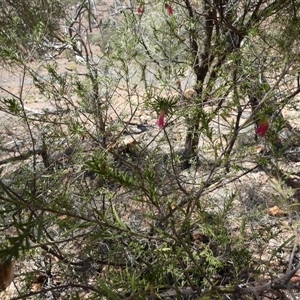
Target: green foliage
[11,106]
[25,26]
[162,104]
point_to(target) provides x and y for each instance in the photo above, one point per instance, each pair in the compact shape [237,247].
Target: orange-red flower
[262,127]
[169,9]
[161,120]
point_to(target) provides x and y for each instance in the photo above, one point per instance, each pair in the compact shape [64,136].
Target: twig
[293,253]
[60,287]
[17,158]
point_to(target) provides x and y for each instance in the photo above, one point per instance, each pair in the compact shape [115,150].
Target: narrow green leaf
[119,221]
[108,292]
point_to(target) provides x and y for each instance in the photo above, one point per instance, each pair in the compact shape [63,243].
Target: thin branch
[55,288]
[175,172]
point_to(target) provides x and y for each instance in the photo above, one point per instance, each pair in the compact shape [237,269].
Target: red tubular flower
[161,120]
[169,9]
[140,10]
[262,127]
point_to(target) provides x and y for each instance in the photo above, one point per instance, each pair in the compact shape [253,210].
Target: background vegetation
[142,177]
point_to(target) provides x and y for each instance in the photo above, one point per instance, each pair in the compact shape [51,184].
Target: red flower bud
[140,10]
[169,9]
[161,120]
[262,127]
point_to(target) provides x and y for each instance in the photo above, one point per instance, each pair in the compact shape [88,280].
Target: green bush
[142,178]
